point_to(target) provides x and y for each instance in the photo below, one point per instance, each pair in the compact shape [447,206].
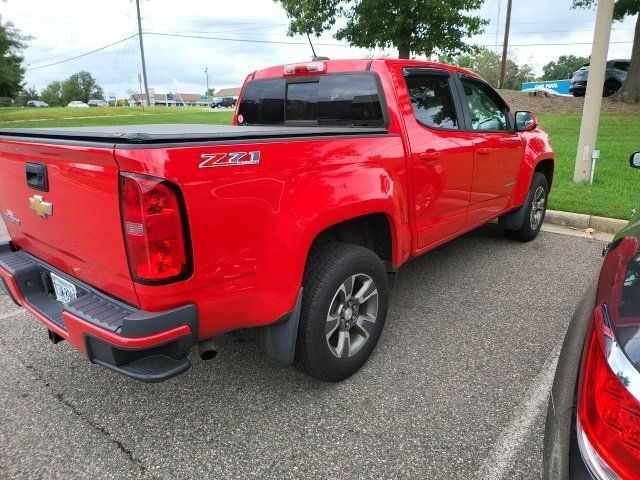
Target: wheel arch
[375,229]
[546,166]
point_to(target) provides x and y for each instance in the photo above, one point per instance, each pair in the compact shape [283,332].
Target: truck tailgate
[72,222]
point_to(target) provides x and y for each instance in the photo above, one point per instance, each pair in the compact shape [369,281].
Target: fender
[537,148]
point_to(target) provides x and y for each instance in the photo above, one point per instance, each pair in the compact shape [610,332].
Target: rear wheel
[536,204]
[344,307]
[610,87]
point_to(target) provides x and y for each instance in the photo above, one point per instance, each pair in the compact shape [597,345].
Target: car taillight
[155,229]
[608,406]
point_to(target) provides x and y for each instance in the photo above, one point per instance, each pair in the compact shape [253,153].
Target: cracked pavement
[470,326]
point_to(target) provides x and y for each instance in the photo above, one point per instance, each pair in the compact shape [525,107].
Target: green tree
[52,94]
[562,68]
[630,91]
[421,27]
[80,86]
[12,42]
[26,94]
[486,63]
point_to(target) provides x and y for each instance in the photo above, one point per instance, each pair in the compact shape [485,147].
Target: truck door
[441,154]
[497,151]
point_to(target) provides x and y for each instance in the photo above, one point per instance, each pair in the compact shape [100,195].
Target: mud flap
[515,219]
[278,340]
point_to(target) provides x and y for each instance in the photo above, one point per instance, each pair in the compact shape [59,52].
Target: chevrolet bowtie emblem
[38,205]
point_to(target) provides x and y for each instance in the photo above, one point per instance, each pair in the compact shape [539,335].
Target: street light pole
[144,67]
[593,95]
[206,72]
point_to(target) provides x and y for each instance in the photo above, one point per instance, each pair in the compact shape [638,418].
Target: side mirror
[634,160]
[526,121]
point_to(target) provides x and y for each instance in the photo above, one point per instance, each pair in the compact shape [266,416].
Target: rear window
[343,100]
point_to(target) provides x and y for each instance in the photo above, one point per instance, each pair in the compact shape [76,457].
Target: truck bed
[181,133]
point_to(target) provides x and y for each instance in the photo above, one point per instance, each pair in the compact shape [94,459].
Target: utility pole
[505,45]
[498,24]
[206,72]
[593,96]
[144,66]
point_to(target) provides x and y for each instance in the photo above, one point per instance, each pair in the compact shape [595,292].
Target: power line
[241,30]
[243,40]
[550,44]
[247,40]
[84,54]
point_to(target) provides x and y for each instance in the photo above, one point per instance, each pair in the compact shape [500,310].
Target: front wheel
[536,204]
[344,307]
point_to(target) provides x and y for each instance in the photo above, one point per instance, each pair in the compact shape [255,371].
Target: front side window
[621,65]
[432,100]
[487,113]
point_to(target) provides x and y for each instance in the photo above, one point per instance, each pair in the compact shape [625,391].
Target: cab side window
[487,113]
[432,100]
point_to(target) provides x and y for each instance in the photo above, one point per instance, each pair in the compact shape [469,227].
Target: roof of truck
[355,65]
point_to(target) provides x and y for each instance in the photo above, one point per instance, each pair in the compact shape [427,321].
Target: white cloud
[66,28]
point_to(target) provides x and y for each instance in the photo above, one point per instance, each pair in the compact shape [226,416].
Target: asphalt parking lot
[457,387]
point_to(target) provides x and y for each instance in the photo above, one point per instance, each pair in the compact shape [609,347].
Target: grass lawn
[613,194]
[85,117]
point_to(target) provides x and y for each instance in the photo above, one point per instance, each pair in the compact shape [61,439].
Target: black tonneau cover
[181,133]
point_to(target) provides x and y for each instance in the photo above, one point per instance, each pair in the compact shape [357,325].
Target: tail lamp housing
[608,405]
[155,228]
[310,68]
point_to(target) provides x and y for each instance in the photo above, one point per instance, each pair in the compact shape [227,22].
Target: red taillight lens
[609,414]
[154,229]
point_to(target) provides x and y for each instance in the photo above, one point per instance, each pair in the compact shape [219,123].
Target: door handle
[430,155]
[484,151]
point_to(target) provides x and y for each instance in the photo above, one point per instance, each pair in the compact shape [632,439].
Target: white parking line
[12,313]
[499,461]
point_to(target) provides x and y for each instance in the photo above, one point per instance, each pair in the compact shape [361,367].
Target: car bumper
[146,346]
[579,87]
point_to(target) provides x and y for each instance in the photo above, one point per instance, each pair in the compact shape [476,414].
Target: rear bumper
[146,346]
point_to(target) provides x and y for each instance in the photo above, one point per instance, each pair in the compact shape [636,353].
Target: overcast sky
[65,28]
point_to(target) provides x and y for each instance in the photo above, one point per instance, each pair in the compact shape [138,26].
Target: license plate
[65,291]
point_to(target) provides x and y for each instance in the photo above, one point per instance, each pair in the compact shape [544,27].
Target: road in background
[470,328]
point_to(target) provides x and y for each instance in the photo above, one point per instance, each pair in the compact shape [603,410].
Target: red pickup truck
[137,243]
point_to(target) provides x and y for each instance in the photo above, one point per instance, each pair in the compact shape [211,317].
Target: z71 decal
[210,160]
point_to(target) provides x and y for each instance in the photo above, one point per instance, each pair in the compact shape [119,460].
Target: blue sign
[560,86]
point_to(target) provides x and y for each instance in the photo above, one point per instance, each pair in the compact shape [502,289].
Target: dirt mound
[556,104]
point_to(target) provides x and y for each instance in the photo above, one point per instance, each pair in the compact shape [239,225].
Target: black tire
[610,87]
[329,267]
[528,231]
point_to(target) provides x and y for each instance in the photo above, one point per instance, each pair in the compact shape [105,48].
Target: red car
[137,243]
[593,419]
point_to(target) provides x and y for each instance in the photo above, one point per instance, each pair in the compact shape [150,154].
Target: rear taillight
[155,229]
[608,406]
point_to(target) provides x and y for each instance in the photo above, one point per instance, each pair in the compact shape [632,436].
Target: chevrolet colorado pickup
[137,243]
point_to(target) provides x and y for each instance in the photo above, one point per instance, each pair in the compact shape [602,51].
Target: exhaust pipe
[54,337]
[207,350]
